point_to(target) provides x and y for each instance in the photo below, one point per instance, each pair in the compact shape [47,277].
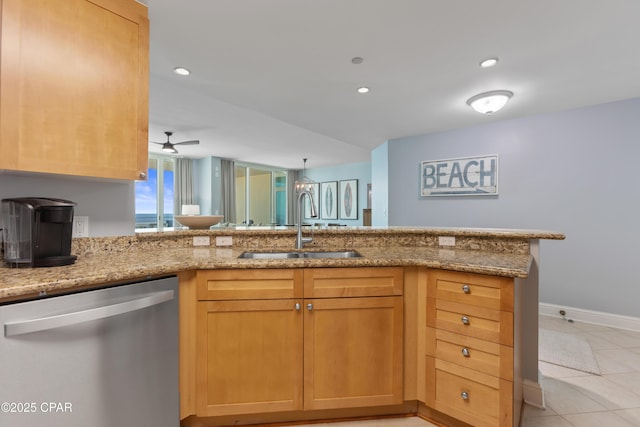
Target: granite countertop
[102,268]
[107,260]
[362,231]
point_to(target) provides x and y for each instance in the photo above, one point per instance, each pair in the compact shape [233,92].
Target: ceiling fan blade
[159,143]
[194,142]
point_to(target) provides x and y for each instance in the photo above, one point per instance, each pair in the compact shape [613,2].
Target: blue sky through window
[146,194]
[168,192]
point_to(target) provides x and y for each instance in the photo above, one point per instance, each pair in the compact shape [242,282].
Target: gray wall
[110,205]
[573,172]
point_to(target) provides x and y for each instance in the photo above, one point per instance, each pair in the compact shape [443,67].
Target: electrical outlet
[80,226]
[224,241]
[201,241]
[446,240]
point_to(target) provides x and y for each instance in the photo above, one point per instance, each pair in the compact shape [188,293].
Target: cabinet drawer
[473,289]
[484,356]
[249,284]
[353,282]
[476,398]
[482,323]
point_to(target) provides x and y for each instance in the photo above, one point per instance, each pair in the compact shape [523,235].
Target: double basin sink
[300,254]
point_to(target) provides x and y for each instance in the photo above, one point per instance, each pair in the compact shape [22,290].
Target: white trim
[533,394]
[588,316]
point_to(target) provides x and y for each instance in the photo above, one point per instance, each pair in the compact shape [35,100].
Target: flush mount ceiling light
[363,89]
[489,62]
[181,71]
[489,102]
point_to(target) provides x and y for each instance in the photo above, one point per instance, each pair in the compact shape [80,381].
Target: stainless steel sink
[269,255]
[300,254]
[330,254]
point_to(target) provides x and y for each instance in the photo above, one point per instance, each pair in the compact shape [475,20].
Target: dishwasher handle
[76,317]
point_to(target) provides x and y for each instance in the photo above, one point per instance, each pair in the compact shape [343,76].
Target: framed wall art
[329,200]
[349,199]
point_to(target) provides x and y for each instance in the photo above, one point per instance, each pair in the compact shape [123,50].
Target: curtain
[292,176]
[183,185]
[228,196]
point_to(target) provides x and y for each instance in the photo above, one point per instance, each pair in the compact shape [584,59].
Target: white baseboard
[595,317]
[533,394]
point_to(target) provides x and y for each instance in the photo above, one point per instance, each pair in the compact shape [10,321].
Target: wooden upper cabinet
[74,87]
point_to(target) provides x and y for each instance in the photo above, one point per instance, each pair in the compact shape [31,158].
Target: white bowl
[198,221]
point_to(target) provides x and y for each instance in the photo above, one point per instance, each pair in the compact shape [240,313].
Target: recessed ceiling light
[357,60]
[489,62]
[363,89]
[181,71]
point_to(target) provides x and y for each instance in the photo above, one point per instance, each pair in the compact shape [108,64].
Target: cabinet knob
[466,289]
[464,395]
[297,306]
[309,306]
[465,352]
[465,320]
[142,175]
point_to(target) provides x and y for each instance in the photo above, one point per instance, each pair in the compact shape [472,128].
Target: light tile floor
[574,398]
[578,399]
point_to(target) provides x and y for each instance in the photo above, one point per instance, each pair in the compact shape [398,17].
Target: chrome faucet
[300,241]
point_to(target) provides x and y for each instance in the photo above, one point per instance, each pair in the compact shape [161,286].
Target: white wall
[110,205]
[573,172]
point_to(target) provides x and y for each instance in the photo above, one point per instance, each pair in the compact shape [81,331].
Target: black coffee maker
[37,232]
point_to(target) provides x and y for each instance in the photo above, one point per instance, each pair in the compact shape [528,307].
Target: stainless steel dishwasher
[101,358]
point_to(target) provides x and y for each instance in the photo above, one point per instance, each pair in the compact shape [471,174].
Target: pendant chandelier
[304,183]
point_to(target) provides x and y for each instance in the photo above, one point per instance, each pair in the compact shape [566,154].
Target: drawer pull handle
[466,289]
[297,306]
[464,395]
[465,352]
[465,320]
[309,306]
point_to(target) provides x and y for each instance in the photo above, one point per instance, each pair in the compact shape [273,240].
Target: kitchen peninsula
[485,278]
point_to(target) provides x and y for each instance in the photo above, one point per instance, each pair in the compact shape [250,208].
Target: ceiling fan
[168,147]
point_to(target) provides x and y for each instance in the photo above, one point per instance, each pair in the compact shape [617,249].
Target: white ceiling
[272,80]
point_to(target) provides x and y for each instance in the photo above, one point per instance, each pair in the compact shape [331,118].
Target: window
[261,195]
[154,197]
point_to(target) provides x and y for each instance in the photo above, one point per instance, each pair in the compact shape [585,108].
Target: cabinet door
[353,352]
[74,87]
[249,357]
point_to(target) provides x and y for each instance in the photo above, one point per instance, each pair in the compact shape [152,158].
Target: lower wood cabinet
[249,357]
[273,343]
[471,348]
[277,354]
[353,352]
